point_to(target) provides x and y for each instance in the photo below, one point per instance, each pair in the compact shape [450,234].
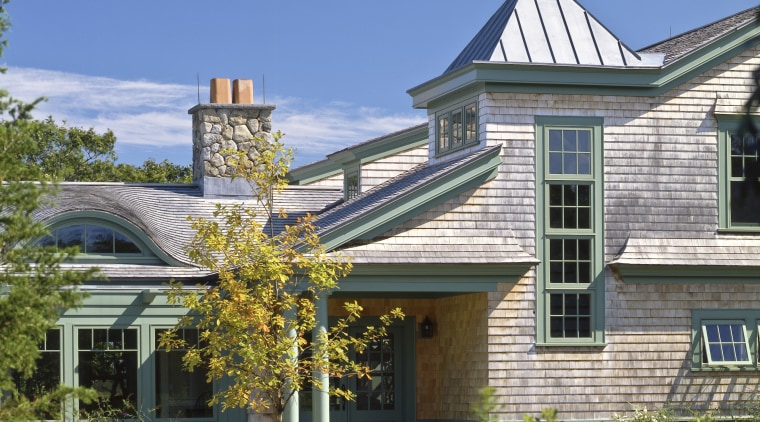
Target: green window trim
[734,349]
[569,226]
[728,126]
[352,181]
[457,127]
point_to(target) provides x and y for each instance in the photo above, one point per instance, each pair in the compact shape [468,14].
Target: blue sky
[338,70]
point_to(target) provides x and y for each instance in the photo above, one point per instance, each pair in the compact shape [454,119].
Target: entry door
[381,398]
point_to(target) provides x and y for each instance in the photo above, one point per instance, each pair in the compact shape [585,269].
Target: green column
[321,398]
[292,406]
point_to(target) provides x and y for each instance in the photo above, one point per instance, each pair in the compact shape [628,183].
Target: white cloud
[144,113]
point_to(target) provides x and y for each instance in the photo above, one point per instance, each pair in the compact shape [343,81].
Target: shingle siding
[661,182]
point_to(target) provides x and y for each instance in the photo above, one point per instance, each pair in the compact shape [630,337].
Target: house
[572,227]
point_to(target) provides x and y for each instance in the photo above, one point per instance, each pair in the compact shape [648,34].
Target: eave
[630,273]
[431,278]
[480,77]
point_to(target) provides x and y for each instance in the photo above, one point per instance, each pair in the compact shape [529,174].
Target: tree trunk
[264,417]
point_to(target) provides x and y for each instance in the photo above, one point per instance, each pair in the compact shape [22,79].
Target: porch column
[320,396]
[292,406]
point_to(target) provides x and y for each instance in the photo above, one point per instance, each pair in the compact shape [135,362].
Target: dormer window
[92,239]
[457,127]
[351,183]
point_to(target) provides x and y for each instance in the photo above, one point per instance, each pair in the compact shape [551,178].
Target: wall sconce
[426,328]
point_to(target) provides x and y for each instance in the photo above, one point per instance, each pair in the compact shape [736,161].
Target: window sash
[726,342]
[457,127]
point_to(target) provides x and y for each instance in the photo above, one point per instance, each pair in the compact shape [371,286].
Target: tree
[73,154]
[34,287]
[256,321]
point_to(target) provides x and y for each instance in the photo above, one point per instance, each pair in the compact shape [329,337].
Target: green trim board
[412,203]
[686,273]
[431,278]
[371,150]
[569,230]
[561,79]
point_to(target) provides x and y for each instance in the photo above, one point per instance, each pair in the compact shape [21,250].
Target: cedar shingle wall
[660,158]
[378,171]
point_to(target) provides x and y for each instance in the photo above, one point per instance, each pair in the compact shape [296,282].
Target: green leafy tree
[256,320]
[74,154]
[33,286]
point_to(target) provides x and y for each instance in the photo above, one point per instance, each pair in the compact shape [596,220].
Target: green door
[383,397]
[389,395]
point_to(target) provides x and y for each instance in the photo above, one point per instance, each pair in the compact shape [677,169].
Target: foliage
[256,320]
[547,415]
[73,154]
[485,405]
[33,287]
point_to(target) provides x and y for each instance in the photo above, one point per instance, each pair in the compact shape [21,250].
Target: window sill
[440,154]
[572,344]
[727,369]
[739,230]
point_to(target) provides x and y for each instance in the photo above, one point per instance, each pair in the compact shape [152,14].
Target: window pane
[99,239]
[123,244]
[443,133]
[571,164]
[456,128]
[180,393]
[109,367]
[555,163]
[70,236]
[569,141]
[584,141]
[555,140]
[47,374]
[471,120]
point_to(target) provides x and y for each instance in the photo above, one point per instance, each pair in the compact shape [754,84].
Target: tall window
[351,182]
[47,375]
[179,393]
[108,363]
[571,307]
[457,127]
[740,177]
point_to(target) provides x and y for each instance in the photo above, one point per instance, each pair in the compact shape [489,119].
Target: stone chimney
[228,122]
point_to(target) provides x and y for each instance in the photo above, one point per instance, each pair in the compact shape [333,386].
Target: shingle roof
[679,46]
[161,211]
[393,189]
[721,251]
[547,32]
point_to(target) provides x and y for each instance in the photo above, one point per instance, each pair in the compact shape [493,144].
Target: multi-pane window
[744,186]
[352,183]
[739,176]
[91,239]
[47,374]
[571,306]
[108,363]
[725,339]
[457,127]
[180,393]
[378,391]
[725,342]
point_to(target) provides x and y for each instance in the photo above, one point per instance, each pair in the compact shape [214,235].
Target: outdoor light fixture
[426,328]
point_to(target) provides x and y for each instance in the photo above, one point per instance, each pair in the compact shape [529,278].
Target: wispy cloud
[146,114]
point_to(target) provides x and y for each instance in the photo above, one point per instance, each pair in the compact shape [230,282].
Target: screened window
[180,393]
[457,127]
[91,239]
